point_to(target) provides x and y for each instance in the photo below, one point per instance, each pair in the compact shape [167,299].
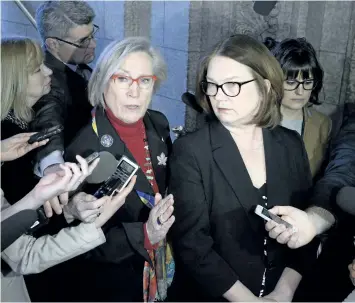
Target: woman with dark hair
[239,159]
[303,80]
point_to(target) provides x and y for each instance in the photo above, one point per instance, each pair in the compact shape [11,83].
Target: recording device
[15,226]
[346,200]
[124,172]
[47,133]
[104,169]
[268,216]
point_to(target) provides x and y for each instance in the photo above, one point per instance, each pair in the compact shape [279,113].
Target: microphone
[104,169]
[15,226]
[190,100]
[346,200]
[264,8]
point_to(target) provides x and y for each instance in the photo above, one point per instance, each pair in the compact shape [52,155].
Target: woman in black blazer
[221,172]
[135,264]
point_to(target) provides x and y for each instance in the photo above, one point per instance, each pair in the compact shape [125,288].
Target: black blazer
[217,238]
[66,104]
[114,270]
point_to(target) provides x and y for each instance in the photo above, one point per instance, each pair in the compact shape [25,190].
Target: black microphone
[104,169]
[346,200]
[190,100]
[15,226]
[264,8]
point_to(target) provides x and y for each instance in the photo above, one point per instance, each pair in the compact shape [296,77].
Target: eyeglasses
[231,89]
[124,82]
[84,42]
[293,84]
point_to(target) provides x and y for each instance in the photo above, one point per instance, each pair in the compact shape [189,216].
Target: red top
[133,135]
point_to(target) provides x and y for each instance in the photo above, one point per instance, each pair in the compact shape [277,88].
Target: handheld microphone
[15,226]
[346,200]
[104,169]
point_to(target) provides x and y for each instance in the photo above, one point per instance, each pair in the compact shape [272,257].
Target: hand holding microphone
[77,176]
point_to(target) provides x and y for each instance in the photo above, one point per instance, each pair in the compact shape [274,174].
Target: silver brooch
[106,141]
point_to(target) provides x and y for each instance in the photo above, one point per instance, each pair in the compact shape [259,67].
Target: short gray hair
[111,59]
[56,18]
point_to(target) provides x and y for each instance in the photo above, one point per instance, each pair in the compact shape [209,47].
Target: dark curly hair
[298,56]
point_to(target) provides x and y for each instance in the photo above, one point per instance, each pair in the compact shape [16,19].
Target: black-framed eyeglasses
[84,42]
[230,89]
[293,84]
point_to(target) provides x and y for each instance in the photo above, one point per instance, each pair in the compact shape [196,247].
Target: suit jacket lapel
[229,160]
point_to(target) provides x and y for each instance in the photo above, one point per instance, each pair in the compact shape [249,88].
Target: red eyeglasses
[144,82]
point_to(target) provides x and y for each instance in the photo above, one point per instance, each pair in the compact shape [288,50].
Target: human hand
[79,175]
[277,296]
[300,220]
[17,146]
[114,203]
[160,218]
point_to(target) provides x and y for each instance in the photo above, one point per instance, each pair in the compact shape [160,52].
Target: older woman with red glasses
[135,264]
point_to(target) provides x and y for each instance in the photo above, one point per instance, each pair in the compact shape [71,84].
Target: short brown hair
[255,55]
[20,57]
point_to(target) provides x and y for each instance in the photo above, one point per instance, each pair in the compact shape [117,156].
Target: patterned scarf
[158,278]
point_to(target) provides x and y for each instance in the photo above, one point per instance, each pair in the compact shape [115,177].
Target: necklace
[148,167]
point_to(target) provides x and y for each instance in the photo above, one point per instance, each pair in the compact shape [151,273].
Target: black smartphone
[47,133]
[92,157]
[266,215]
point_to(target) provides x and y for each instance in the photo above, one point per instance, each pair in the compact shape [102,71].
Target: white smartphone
[125,171]
[266,215]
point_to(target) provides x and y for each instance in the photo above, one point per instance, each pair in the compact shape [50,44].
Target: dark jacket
[329,280]
[340,171]
[114,270]
[17,178]
[217,239]
[66,104]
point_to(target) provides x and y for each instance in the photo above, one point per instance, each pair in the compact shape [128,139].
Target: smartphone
[47,133]
[125,171]
[266,215]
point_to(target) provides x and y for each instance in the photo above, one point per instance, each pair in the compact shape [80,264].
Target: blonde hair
[20,57]
[111,59]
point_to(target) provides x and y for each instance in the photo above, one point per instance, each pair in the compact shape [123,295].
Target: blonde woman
[24,79]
